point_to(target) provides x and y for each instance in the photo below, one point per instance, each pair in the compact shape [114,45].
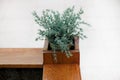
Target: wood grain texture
[76,43]
[61,58]
[61,72]
[21,58]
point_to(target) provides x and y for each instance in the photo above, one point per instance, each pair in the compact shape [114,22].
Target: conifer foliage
[60,28]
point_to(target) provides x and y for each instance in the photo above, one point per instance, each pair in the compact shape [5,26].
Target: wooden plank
[61,57]
[61,72]
[21,58]
[76,42]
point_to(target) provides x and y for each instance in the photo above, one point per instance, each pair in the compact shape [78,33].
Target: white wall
[99,53]
[17,26]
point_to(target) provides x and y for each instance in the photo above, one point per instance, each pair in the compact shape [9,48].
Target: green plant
[60,29]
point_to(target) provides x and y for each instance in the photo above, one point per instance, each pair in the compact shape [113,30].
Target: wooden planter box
[61,57]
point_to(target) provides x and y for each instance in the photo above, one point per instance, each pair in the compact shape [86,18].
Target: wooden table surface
[21,58]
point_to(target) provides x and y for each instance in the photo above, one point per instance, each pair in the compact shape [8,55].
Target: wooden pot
[61,57]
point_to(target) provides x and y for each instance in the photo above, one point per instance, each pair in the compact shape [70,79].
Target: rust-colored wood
[65,68]
[76,43]
[61,57]
[21,58]
[61,72]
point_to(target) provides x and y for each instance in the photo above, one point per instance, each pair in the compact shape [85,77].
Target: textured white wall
[17,26]
[99,53]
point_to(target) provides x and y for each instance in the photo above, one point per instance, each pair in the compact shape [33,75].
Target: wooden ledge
[61,72]
[21,58]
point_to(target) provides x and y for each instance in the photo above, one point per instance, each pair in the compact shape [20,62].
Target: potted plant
[60,31]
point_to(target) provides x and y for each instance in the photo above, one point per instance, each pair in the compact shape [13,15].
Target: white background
[100,52]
